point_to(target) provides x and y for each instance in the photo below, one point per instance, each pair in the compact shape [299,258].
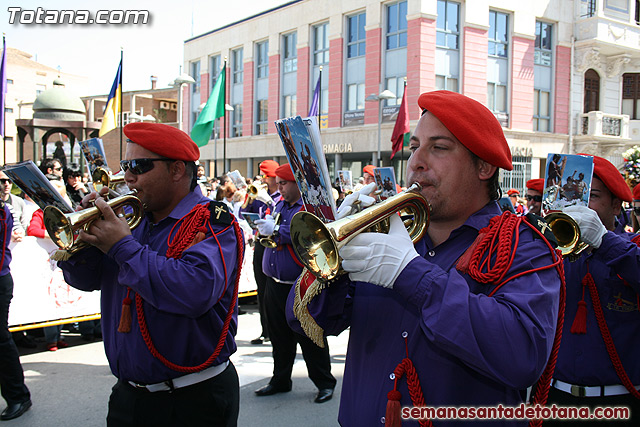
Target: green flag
[202,129]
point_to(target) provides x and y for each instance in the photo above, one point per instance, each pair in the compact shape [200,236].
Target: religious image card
[567,181]
[386,181]
[344,181]
[30,179]
[237,179]
[94,154]
[309,167]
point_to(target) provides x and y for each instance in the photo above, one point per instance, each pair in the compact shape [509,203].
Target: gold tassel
[125,318]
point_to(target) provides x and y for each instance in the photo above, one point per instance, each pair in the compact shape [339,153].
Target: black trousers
[561,398]
[284,343]
[12,385]
[214,402]
[261,282]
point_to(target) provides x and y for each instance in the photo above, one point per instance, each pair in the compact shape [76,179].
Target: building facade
[560,75]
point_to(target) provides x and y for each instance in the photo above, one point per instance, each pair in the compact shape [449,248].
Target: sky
[93,50]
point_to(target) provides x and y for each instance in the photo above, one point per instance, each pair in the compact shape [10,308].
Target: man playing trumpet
[473,335]
[169,289]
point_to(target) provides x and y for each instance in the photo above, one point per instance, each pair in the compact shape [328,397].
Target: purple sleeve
[507,337]
[188,286]
[84,270]
[622,256]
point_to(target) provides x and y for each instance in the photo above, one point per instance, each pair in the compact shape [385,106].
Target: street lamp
[385,94]
[183,79]
[227,107]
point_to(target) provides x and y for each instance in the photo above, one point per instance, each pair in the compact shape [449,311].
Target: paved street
[71,387]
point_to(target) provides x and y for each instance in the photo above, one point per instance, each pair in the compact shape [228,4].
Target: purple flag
[315,102]
[3,84]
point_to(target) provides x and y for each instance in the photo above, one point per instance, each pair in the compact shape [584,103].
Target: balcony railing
[597,123]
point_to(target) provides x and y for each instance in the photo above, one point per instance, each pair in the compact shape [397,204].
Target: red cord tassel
[392,416]
[579,325]
[125,318]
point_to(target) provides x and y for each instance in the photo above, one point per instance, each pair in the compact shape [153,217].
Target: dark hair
[49,163]
[72,170]
[493,184]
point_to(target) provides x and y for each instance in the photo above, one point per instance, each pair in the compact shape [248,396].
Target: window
[397,25]
[9,81]
[195,74]
[498,34]
[236,121]
[497,64]
[215,66]
[289,105]
[518,177]
[587,8]
[290,52]
[355,97]
[8,110]
[395,85]
[620,6]
[356,39]
[321,44]
[637,16]
[262,119]
[543,53]
[237,65]
[262,61]
[448,24]
[591,91]
[631,95]
[448,45]
[542,59]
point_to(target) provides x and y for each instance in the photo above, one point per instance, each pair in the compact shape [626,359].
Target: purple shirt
[583,358]
[5,229]
[185,299]
[280,263]
[468,349]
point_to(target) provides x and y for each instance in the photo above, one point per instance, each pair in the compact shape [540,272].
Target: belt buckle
[578,390]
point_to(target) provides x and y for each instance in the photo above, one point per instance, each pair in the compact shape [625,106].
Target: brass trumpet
[267,241]
[567,234]
[317,244]
[64,228]
[103,178]
[253,193]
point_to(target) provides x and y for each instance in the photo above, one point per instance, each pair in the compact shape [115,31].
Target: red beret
[472,123]
[536,184]
[285,172]
[268,167]
[636,193]
[611,177]
[513,191]
[369,169]
[163,140]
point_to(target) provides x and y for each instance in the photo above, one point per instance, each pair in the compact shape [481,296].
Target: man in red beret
[268,171]
[535,188]
[282,269]
[368,174]
[599,361]
[168,288]
[471,340]
[513,196]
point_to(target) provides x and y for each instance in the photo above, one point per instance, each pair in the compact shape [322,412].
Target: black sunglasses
[534,198]
[636,210]
[5,180]
[140,166]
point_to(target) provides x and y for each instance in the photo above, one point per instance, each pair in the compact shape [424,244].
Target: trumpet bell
[317,244]
[567,234]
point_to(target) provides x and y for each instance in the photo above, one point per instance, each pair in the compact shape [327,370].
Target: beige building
[26,79]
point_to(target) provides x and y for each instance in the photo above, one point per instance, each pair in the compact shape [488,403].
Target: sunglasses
[534,198]
[140,166]
[636,210]
[5,180]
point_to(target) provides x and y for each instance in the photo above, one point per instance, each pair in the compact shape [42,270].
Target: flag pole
[224,119]
[402,150]
[320,99]
[4,112]
[121,96]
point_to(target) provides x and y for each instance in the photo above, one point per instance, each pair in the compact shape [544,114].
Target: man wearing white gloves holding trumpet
[432,323]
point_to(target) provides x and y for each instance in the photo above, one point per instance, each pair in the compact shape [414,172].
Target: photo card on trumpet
[30,179]
[344,180]
[386,181]
[301,140]
[237,179]
[94,154]
[567,181]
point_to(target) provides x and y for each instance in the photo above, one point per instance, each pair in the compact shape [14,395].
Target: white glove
[591,228]
[346,207]
[264,196]
[379,258]
[266,225]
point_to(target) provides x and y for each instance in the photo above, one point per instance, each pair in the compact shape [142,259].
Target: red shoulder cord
[498,241]
[196,221]
[588,281]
